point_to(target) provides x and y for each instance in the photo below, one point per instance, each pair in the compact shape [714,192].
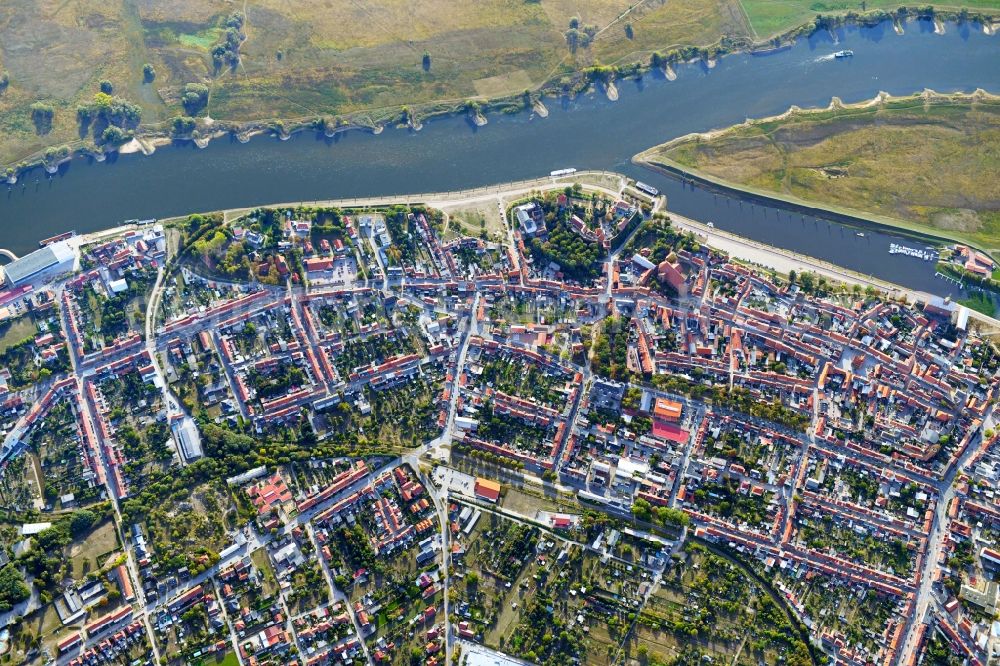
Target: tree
[42,115]
[183,125]
[13,589]
[106,87]
[4,81]
[427,61]
[671,516]
[102,102]
[228,50]
[148,73]
[641,509]
[81,522]
[114,136]
[84,114]
[108,110]
[194,98]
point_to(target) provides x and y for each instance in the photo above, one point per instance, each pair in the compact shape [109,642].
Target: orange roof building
[266,495]
[668,410]
[487,489]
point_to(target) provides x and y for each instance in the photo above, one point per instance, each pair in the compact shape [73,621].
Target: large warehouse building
[49,260]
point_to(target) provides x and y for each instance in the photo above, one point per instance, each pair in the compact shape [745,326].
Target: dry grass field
[305,58]
[923,163]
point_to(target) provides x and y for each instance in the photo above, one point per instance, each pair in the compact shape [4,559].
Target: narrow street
[335,593]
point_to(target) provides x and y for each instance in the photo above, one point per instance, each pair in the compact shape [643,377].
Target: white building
[48,261]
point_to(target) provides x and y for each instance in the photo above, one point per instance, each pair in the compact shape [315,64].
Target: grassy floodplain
[297,60]
[926,162]
[769,18]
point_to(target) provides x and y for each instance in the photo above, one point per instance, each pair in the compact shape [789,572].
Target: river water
[589,132]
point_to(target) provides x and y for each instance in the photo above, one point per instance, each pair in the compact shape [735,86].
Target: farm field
[915,162]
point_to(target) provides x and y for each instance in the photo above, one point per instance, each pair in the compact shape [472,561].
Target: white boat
[710,225]
[847,53]
[648,189]
[859,235]
[562,172]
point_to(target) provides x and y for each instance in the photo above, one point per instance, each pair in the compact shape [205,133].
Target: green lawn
[773,17]
[229,660]
[980,302]
[16,330]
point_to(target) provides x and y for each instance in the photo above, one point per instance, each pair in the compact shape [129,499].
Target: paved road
[336,593]
[940,528]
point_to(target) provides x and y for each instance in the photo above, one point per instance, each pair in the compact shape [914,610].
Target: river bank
[761,137]
[740,248]
[147,138]
[453,154]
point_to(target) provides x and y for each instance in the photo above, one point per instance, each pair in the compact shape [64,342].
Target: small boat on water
[859,235]
[843,54]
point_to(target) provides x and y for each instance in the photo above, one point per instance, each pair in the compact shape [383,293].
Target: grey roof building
[51,258]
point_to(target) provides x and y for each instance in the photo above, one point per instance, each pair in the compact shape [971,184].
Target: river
[588,132]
